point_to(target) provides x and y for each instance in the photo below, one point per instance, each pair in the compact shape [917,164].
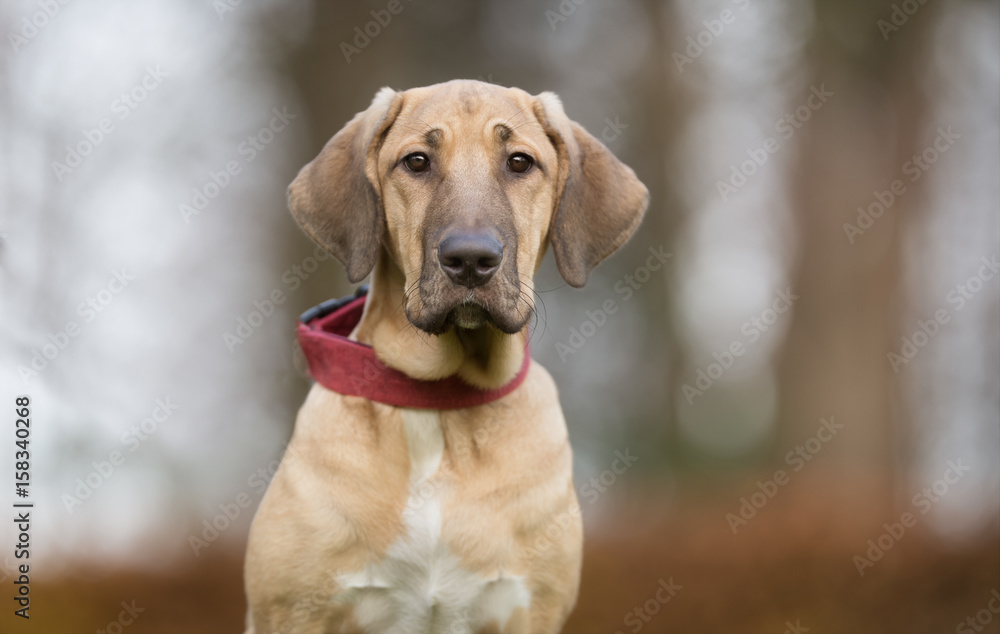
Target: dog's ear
[599,199]
[336,198]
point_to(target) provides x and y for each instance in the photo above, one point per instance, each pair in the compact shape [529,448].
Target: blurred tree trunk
[663,112]
[834,362]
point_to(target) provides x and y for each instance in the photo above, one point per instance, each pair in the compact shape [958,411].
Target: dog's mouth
[470,312]
[470,315]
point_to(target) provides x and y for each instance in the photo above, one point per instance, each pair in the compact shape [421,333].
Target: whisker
[521,125]
[507,122]
[411,128]
[537,316]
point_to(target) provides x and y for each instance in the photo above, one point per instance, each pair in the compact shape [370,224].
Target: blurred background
[807,392]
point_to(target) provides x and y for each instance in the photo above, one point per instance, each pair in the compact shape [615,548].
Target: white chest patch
[420,587]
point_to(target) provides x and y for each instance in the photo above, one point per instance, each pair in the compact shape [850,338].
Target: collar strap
[351,368]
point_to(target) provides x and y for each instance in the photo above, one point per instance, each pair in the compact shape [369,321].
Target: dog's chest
[420,584]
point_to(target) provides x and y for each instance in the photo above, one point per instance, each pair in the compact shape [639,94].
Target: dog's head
[464,184]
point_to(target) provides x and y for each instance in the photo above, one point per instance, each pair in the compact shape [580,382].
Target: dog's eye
[520,162]
[416,162]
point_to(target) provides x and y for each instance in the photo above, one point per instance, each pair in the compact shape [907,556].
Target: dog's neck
[484,357]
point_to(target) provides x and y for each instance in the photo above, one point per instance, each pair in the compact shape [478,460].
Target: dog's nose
[470,259]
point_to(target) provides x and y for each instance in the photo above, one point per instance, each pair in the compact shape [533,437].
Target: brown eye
[520,162]
[416,162]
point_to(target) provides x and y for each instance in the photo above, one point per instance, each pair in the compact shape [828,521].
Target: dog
[464,519]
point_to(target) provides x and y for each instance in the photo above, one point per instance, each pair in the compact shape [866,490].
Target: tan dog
[384,519]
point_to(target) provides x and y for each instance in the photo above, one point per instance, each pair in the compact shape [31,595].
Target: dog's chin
[468,315]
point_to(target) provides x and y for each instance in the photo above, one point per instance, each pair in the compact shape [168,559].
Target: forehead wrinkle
[433,137]
[528,133]
[408,128]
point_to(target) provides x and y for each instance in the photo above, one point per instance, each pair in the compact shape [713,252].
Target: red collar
[351,368]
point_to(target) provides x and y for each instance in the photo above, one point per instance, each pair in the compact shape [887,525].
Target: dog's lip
[469,314]
[436,318]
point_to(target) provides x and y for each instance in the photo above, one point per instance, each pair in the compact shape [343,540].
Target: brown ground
[793,562]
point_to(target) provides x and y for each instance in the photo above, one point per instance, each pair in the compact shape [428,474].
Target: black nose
[470,259]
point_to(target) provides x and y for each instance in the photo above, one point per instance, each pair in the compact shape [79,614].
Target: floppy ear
[600,201]
[336,198]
